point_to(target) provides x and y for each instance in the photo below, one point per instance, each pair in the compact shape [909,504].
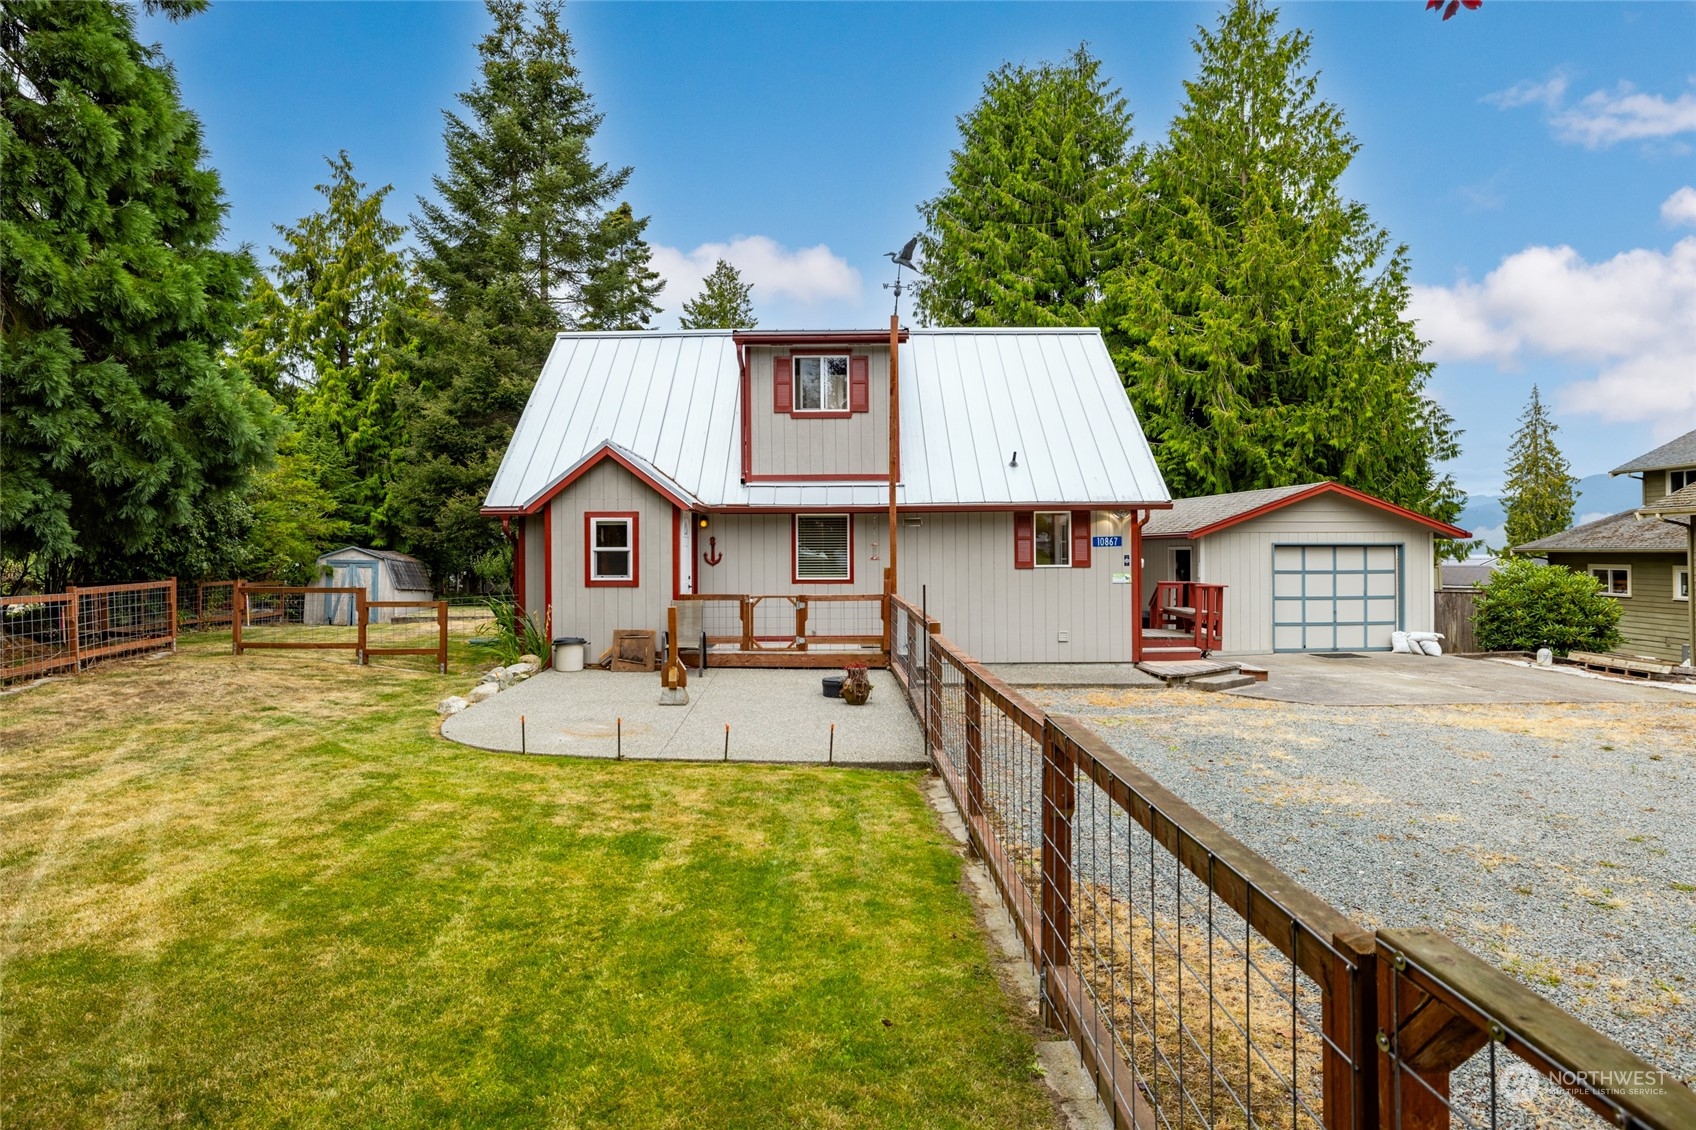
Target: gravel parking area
[1557,841]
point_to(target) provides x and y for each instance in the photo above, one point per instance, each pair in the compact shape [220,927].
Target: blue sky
[1539,159]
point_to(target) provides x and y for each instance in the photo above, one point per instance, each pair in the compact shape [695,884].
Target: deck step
[1259,674]
[1184,671]
[1221,682]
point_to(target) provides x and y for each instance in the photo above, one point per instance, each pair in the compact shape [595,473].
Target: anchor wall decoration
[712,556]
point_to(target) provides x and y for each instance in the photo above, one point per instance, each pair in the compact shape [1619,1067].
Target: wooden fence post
[1059,800]
[363,611]
[238,599]
[73,612]
[974,746]
[800,623]
[442,636]
[1349,1021]
[933,701]
[171,607]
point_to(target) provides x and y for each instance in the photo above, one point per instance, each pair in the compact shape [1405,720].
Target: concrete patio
[1384,679]
[773,716]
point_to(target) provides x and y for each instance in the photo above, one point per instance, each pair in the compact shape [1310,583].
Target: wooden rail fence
[66,631]
[1200,983]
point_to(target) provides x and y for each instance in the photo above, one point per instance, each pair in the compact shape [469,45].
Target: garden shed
[384,574]
[1315,567]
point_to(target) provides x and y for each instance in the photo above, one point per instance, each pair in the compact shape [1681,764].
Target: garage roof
[669,401]
[1207,514]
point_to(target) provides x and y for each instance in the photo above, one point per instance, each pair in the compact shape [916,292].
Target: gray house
[744,477]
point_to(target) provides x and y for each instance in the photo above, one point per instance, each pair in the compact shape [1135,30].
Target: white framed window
[1678,480]
[611,549]
[1053,531]
[824,549]
[1681,584]
[821,384]
[1615,579]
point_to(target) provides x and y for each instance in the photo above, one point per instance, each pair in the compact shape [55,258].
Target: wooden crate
[633,650]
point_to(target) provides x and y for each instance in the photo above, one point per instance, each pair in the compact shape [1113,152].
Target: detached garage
[1319,567]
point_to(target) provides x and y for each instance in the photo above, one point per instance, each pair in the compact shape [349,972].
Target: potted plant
[856,685]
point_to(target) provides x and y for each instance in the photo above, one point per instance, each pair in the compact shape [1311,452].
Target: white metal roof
[970,398]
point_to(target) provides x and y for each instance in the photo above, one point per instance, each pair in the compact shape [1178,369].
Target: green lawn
[262,892]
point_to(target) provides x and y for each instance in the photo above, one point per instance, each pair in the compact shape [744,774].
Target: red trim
[783,384]
[602,453]
[785,404]
[1441,528]
[547,563]
[1137,521]
[937,508]
[814,337]
[1083,531]
[519,567]
[795,552]
[859,383]
[747,417]
[818,478]
[635,580]
[676,555]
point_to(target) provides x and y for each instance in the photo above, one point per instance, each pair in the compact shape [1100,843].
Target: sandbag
[1421,637]
[1431,647]
[1399,644]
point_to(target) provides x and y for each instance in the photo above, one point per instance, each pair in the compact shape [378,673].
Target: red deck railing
[1192,607]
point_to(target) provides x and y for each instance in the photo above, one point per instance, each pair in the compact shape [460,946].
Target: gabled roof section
[1680,503]
[1680,452]
[1208,514]
[665,404]
[407,571]
[1617,533]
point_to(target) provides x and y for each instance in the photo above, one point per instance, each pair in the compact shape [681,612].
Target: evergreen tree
[620,289]
[1539,499]
[1034,212]
[331,337]
[506,252]
[1261,326]
[723,304]
[123,424]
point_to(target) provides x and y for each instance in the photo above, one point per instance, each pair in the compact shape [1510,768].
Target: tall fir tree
[1261,325]
[507,249]
[621,286]
[1539,496]
[1035,209]
[124,425]
[331,337]
[725,302]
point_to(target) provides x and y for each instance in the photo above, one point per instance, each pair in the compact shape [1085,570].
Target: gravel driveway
[1557,841]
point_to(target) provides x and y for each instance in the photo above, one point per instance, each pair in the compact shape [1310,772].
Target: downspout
[1138,519]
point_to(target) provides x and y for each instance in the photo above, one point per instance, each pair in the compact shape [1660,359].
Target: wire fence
[1203,986]
[69,630]
[318,619]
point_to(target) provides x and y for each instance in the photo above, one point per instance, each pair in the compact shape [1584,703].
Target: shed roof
[1618,533]
[407,572]
[970,398]
[1210,513]
[1680,452]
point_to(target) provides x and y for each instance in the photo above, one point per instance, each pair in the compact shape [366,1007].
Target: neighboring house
[1641,562]
[1318,567]
[1466,574]
[383,573]
[653,468]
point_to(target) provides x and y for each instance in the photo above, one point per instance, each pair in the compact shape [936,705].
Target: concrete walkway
[773,715]
[1383,679]
[1073,675]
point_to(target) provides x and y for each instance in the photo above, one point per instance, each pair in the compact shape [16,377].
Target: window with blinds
[823,548]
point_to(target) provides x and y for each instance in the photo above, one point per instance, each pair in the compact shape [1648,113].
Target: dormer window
[1678,480]
[821,384]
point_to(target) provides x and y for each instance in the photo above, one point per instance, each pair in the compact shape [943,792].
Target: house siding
[534,554]
[961,565]
[593,613]
[1652,622]
[1240,558]
[1655,484]
[799,446]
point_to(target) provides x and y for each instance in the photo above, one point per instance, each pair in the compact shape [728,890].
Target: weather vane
[901,258]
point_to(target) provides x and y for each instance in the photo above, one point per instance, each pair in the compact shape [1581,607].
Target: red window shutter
[783,380]
[1024,539]
[859,385]
[1082,530]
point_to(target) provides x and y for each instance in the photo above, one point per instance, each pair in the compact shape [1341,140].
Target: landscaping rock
[453,704]
[484,691]
[500,677]
[535,661]
[522,670]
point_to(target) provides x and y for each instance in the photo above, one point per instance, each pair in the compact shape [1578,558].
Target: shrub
[1526,606]
[517,633]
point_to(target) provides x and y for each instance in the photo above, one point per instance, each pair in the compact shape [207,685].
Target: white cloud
[1632,319]
[1603,117]
[1680,207]
[807,275]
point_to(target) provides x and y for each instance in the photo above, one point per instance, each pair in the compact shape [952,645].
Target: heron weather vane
[901,258]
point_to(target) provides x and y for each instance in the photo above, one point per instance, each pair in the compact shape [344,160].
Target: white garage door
[1334,597]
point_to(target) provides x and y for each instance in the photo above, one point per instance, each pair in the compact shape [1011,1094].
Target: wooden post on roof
[890,578]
